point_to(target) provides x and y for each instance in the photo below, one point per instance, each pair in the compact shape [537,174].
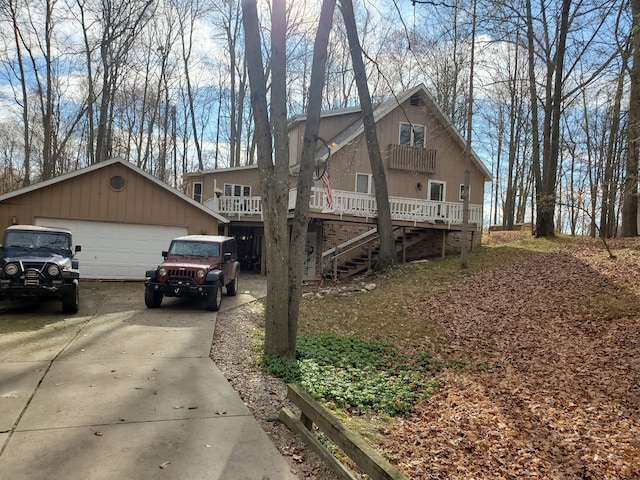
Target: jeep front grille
[33,265]
[181,272]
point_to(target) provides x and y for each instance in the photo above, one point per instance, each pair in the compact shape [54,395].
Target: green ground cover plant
[367,353]
[358,375]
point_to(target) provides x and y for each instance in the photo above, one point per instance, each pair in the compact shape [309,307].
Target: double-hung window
[412,135]
[364,183]
[197,192]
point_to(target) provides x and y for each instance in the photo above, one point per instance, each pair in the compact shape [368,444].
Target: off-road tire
[71,300]
[213,300]
[232,286]
[152,298]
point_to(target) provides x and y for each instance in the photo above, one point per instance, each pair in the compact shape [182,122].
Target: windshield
[33,239]
[196,249]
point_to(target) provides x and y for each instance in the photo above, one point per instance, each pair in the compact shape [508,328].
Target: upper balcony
[413,159]
[353,204]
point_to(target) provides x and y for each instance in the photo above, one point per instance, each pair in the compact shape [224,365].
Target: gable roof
[180,196]
[357,128]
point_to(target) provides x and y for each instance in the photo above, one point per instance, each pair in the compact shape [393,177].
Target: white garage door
[116,251]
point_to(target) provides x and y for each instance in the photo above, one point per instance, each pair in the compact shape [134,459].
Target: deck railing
[355,204]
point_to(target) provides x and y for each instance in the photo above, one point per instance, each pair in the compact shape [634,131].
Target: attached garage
[117,251]
[122,216]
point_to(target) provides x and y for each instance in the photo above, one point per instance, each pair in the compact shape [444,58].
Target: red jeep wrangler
[195,266]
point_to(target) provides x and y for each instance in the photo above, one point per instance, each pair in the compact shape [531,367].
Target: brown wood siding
[89,197]
[354,159]
[211,180]
[329,128]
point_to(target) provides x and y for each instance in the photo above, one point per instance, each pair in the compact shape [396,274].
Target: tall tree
[464,257]
[11,6]
[284,259]
[121,24]
[387,255]
[630,192]
[300,225]
[546,165]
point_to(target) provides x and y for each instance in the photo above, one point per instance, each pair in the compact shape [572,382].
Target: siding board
[89,197]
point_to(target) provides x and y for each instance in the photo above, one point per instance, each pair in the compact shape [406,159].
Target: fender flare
[151,274]
[214,276]
[235,269]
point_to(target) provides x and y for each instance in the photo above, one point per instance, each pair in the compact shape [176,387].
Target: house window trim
[370,185]
[444,190]
[199,200]
[461,190]
[232,188]
[412,141]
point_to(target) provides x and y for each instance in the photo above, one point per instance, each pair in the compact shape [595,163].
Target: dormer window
[412,135]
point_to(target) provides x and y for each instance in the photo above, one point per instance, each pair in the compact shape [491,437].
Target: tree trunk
[25,99]
[464,247]
[387,255]
[630,192]
[546,174]
[300,224]
[274,187]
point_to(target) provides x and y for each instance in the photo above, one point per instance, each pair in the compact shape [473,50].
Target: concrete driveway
[119,391]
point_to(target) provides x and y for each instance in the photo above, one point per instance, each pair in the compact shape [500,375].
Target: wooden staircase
[360,254]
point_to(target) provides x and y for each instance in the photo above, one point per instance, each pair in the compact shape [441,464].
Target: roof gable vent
[414,101]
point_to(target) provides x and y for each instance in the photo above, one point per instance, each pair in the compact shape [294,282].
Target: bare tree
[630,192]
[121,24]
[464,257]
[284,259]
[187,13]
[11,7]
[273,176]
[387,255]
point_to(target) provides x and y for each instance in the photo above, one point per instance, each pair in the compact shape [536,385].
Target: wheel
[232,286]
[214,299]
[71,300]
[152,298]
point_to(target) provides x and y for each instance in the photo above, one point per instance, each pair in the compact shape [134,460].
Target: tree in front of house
[284,254]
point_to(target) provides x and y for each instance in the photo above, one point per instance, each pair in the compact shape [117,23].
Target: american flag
[327,184]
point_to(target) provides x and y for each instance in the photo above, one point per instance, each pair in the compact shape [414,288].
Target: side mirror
[78,248]
[227,257]
[165,253]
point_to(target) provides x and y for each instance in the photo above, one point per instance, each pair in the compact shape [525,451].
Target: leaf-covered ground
[553,388]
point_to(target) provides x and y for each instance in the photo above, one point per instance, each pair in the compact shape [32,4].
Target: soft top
[204,238]
[38,228]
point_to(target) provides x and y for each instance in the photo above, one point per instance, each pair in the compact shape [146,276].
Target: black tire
[71,300]
[214,299]
[152,298]
[232,286]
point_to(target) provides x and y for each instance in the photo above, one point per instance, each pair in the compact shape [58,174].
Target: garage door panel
[116,251]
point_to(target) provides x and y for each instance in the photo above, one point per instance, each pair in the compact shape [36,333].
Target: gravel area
[233,351]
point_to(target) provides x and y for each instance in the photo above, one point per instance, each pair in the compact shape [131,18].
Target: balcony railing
[355,204]
[413,159]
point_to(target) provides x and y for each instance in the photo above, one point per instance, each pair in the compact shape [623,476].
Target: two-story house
[424,162]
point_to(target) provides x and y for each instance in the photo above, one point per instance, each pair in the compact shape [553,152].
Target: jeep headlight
[53,270]
[162,272]
[200,273]
[11,269]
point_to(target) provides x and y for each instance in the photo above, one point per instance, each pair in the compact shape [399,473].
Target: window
[461,196]
[231,190]
[117,183]
[436,191]
[197,192]
[412,135]
[364,183]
